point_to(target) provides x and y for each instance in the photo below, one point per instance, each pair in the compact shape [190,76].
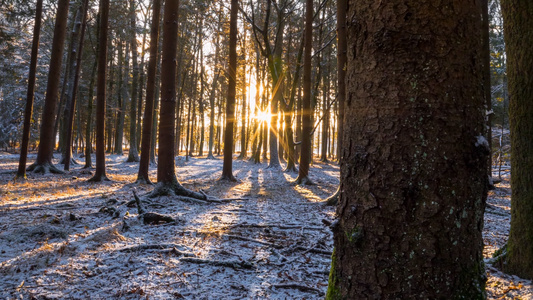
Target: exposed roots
[228,178]
[44,168]
[143,180]
[98,178]
[333,199]
[291,168]
[303,181]
[175,189]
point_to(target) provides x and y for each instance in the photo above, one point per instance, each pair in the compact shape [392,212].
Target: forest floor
[62,237]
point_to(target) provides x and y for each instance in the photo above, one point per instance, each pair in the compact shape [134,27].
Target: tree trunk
[518,23]
[122,92]
[43,163]
[167,182]
[227,168]
[307,125]
[100,173]
[74,89]
[413,177]
[21,173]
[144,164]
[133,155]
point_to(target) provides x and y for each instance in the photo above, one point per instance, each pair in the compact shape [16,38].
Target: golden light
[263,116]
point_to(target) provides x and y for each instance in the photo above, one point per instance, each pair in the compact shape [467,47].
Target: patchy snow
[59,238]
[57,242]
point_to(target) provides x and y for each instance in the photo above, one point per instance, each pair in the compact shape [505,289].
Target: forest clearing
[62,237]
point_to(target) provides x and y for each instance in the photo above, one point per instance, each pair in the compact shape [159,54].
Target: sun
[263,116]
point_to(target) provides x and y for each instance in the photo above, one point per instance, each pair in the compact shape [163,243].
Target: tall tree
[227,168]
[167,183]
[73,90]
[144,164]
[413,185]
[133,154]
[21,173]
[100,173]
[307,125]
[43,164]
[341,84]
[518,26]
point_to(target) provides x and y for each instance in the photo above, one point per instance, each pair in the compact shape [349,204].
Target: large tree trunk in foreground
[227,168]
[144,164]
[413,179]
[518,22]
[307,125]
[100,174]
[43,163]
[21,173]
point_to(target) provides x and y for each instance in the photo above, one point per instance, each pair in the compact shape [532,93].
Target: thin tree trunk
[133,155]
[303,174]
[21,173]
[227,168]
[74,90]
[100,173]
[142,176]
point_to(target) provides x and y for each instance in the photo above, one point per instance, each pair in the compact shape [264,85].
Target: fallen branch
[301,287]
[238,237]
[241,225]
[219,263]
[172,248]
[314,250]
[151,217]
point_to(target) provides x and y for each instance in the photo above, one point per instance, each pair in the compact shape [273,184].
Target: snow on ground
[62,237]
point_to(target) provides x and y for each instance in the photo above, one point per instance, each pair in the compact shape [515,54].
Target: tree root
[300,287]
[143,180]
[170,248]
[242,238]
[151,217]
[236,264]
[303,181]
[44,168]
[314,250]
[101,178]
[333,199]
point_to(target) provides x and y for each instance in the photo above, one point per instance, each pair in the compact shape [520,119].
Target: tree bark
[133,155]
[21,173]
[307,125]
[518,25]
[74,89]
[144,164]
[100,172]
[43,163]
[167,182]
[227,167]
[413,177]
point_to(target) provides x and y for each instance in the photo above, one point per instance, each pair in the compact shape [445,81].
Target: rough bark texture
[413,179]
[133,154]
[150,94]
[43,163]
[227,168]
[100,174]
[21,173]
[518,26]
[307,125]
